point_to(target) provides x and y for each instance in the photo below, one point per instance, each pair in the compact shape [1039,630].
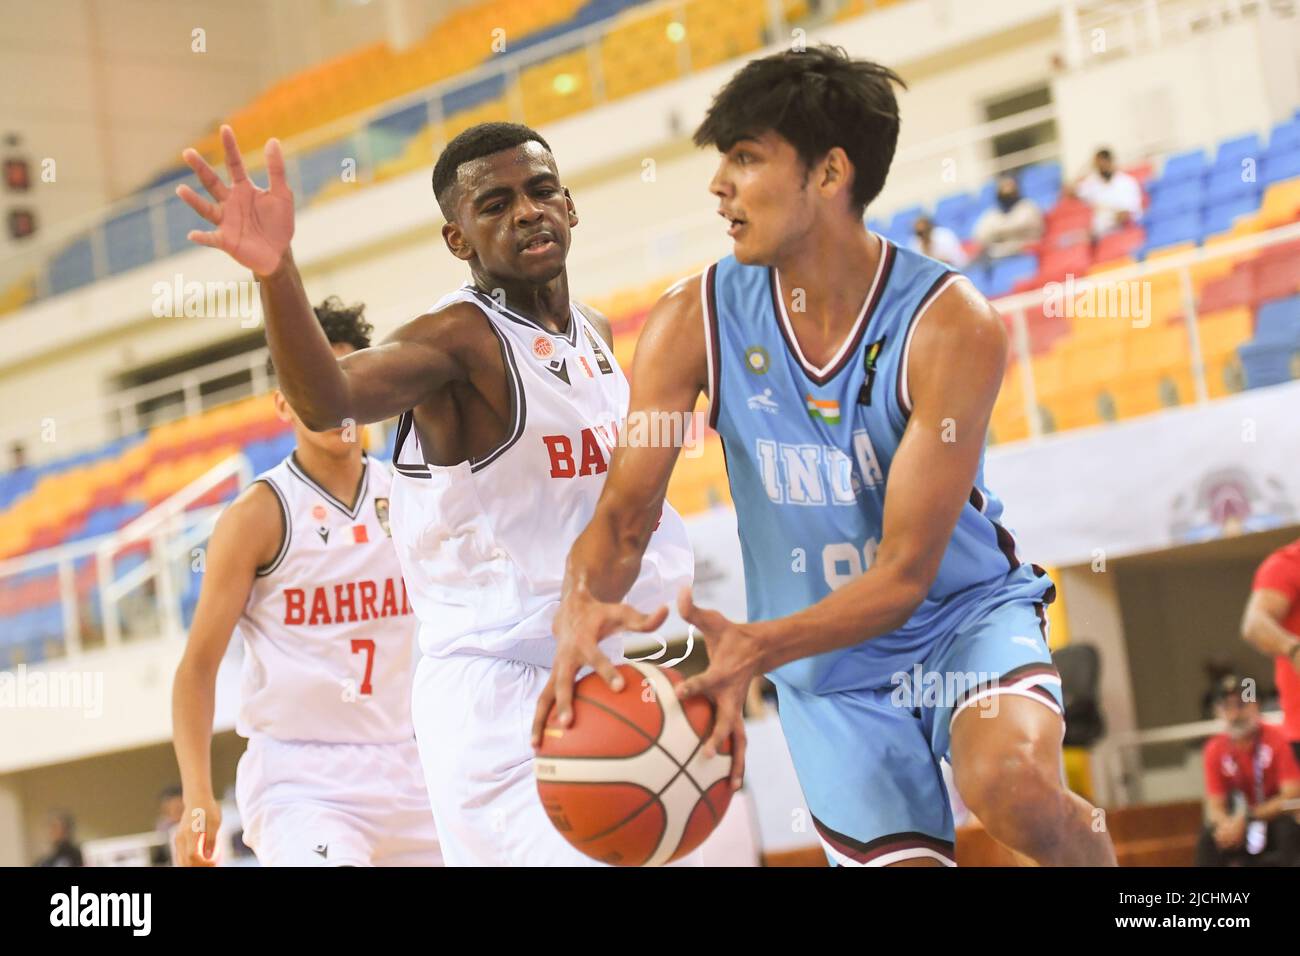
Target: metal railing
[171,534]
[367,143]
[1116,756]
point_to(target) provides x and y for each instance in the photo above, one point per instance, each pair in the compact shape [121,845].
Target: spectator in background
[64,850]
[171,807]
[1114,195]
[17,456]
[937,242]
[1011,224]
[1271,625]
[1252,788]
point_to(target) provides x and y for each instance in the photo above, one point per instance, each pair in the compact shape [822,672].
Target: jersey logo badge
[763,402]
[318,512]
[322,849]
[757,359]
[601,361]
[542,347]
[558,369]
[827,409]
[381,515]
[360,535]
[869,365]
[324,533]
[582,359]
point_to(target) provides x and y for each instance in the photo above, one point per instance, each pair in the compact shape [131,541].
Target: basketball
[627,782]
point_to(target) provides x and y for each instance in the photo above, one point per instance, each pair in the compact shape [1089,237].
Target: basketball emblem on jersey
[542,347]
[318,512]
[757,359]
[381,515]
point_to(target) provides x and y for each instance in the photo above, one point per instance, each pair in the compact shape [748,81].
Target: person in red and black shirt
[1252,788]
[1271,625]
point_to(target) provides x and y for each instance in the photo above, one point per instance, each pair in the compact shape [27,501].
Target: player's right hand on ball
[254,225]
[195,841]
[580,625]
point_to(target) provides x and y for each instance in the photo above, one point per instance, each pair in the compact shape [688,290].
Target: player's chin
[541,267]
[747,252]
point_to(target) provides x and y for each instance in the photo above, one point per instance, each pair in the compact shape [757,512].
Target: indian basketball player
[302,564]
[852,383]
[509,397]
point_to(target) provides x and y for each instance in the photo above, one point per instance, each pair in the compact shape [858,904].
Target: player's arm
[255,227]
[668,372]
[956,363]
[247,536]
[1261,625]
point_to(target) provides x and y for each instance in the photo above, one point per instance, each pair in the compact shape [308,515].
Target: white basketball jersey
[483,543]
[328,629]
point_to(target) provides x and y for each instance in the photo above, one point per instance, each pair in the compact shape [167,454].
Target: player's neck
[547,303]
[827,279]
[340,475]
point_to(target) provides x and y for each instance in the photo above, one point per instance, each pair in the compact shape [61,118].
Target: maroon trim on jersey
[286,534]
[518,402]
[1013,676]
[712,344]
[903,405]
[875,295]
[1049,596]
[363,484]
[1006,541]
[404,424]
[864,853]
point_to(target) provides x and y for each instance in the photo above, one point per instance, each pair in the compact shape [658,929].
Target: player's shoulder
[447,323]
[599,321]
[683,300]
[256,518]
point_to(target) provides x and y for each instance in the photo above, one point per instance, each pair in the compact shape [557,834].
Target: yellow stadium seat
[1220,334]
[1281,205]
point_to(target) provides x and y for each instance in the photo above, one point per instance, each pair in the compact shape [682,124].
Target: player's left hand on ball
[580,625]
[735,659]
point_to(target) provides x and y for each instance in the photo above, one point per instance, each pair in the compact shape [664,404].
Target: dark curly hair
[342,323]
[817,99]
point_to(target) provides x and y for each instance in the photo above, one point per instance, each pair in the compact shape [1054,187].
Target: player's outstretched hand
[195,841]
[580,625]
[254,225]
[734,661]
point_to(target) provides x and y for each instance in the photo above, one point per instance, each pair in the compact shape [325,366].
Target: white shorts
[473,719]
[316,804]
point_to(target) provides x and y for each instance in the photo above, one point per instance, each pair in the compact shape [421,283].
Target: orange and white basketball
[627,782]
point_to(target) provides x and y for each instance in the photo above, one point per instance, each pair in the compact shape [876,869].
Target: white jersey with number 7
[328,630]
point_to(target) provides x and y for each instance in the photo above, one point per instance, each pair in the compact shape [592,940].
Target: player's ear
[835,172]
[457,242]
[282,409]
[573,210]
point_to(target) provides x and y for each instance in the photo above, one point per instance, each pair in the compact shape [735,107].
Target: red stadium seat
[1118,244]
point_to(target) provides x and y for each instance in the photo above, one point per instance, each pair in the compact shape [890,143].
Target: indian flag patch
[828,410]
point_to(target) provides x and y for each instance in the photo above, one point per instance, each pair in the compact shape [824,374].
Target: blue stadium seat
[1005,273]
[1230,183]
[72,268]
[474,94]
[1279,164]
[1174,199]
[1285,136]
[1186,165]
[1265,363]
[1172,230]
[1278,322]
[324,166]
[128,240]
[1221,216]
[900,225]
[1041,178]
[1232,151]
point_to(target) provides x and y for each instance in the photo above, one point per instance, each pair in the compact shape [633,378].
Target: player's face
[513,216]
[762,189]
[336,442]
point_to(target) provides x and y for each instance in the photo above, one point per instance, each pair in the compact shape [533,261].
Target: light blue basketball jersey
[808,455]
